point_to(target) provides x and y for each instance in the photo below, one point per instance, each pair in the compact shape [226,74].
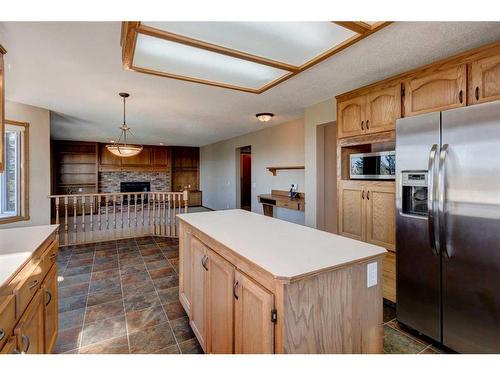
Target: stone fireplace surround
[109,182]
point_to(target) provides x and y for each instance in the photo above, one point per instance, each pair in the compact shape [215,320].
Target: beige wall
[39,152]
[318,114]
[275,146]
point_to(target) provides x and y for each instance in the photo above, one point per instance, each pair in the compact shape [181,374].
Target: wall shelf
[274,170]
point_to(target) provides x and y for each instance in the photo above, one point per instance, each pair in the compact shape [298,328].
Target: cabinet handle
[367,124]
[363,194]
[477,92]
[26,343]
[235,285]
[49,296]
[52,256]
[362,125]
[461,96]
[368,195]
[33,284]
[2,333]
[204,262]
[15,351]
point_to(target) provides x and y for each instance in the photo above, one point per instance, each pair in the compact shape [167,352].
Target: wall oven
[373,165]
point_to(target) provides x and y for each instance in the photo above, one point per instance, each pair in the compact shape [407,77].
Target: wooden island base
[236,305]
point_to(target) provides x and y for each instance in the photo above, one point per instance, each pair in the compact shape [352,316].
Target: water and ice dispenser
[414,194]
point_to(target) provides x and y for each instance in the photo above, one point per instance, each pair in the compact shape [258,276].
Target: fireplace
[135,187]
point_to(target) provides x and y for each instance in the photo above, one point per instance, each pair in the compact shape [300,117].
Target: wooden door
[351,117]
[185,268]
[220,305]
[485,80]
[49,288]
[381,215]
[437,91]
[253,327]
[383,108]
[30,328]
[199,280]
[352,210]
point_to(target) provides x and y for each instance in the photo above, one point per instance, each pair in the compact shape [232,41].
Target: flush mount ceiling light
[264,117]
[120,147]
[246,56]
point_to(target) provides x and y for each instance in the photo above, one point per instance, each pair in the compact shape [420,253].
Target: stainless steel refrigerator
[448,226]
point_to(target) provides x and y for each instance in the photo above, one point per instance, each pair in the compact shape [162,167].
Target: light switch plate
[371,274]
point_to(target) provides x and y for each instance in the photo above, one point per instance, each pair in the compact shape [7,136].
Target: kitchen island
[254,284]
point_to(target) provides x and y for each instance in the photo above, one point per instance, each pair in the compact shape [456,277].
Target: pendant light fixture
[120,147]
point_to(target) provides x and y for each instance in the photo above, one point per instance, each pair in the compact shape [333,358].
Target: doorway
[246,178]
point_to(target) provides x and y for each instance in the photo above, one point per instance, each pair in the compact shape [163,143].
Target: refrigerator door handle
[442,199]
[431,199]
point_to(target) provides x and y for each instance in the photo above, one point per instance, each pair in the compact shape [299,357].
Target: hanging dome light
[121,148]
[264,117]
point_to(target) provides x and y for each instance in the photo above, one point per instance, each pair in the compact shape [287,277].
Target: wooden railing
[87,218]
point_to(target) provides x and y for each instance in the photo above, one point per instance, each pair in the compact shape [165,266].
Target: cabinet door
[10,347]
[2,108]
[389,276]
[436,91]
[383,107]
[199,279]
[221,304]
[253,327]
[381,216]
[485,80]
[161,157]
[49,289]
[108,160]
[185,268]
[30,329]
[143,158]
[351,117]
[352,210]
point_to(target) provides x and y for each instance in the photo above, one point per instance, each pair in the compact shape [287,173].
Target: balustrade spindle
[84,234]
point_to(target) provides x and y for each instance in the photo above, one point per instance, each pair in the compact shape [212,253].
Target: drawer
[7,317]
[10,347]
[49,257]
[288,204]
[27,287]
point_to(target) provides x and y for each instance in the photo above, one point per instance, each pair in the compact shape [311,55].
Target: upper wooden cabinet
[150,159]
[351,117]
[2,106]
[436,91]
[484,83]
[143,158]
[373,112]
[383,108]
[107,160]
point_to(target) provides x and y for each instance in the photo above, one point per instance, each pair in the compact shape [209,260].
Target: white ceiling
[74,69]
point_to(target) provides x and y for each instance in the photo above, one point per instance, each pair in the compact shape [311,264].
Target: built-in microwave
[373,165]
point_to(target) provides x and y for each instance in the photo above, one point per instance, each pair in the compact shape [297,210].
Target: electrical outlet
[295,187]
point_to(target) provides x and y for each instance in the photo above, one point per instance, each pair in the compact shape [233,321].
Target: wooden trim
[356,26]
[25,215]
[131,29]
[448,62]
[157,33]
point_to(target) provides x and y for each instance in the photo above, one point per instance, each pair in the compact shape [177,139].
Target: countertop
[285,250]
[18,244]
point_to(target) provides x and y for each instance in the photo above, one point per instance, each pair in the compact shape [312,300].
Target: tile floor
[122,297]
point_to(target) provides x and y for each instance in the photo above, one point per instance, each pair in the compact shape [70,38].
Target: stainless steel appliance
[448,226]
[373,165]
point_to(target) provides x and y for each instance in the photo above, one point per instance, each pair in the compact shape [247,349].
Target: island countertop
[18,244]
[285,250]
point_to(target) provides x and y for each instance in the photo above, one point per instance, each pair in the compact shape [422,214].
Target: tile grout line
[411,337]
[123,297]
[86,302]
[158,295]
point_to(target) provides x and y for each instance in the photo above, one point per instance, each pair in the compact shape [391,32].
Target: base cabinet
[253,320]
[49,288]
[199,283]
[30,329]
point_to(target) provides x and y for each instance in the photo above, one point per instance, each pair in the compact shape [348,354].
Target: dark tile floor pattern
[122,297]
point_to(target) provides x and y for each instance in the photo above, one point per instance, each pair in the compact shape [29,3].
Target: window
[14,180]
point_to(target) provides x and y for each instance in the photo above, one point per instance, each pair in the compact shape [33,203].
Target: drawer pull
[477,92]
[368,195]
[204,262]
[2,333]
[15,351]
[367,124]
[33,284]
[26,343]
[461,96]
[235,285]
[49,296]
[52,256]
[363,194]
[362,125]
